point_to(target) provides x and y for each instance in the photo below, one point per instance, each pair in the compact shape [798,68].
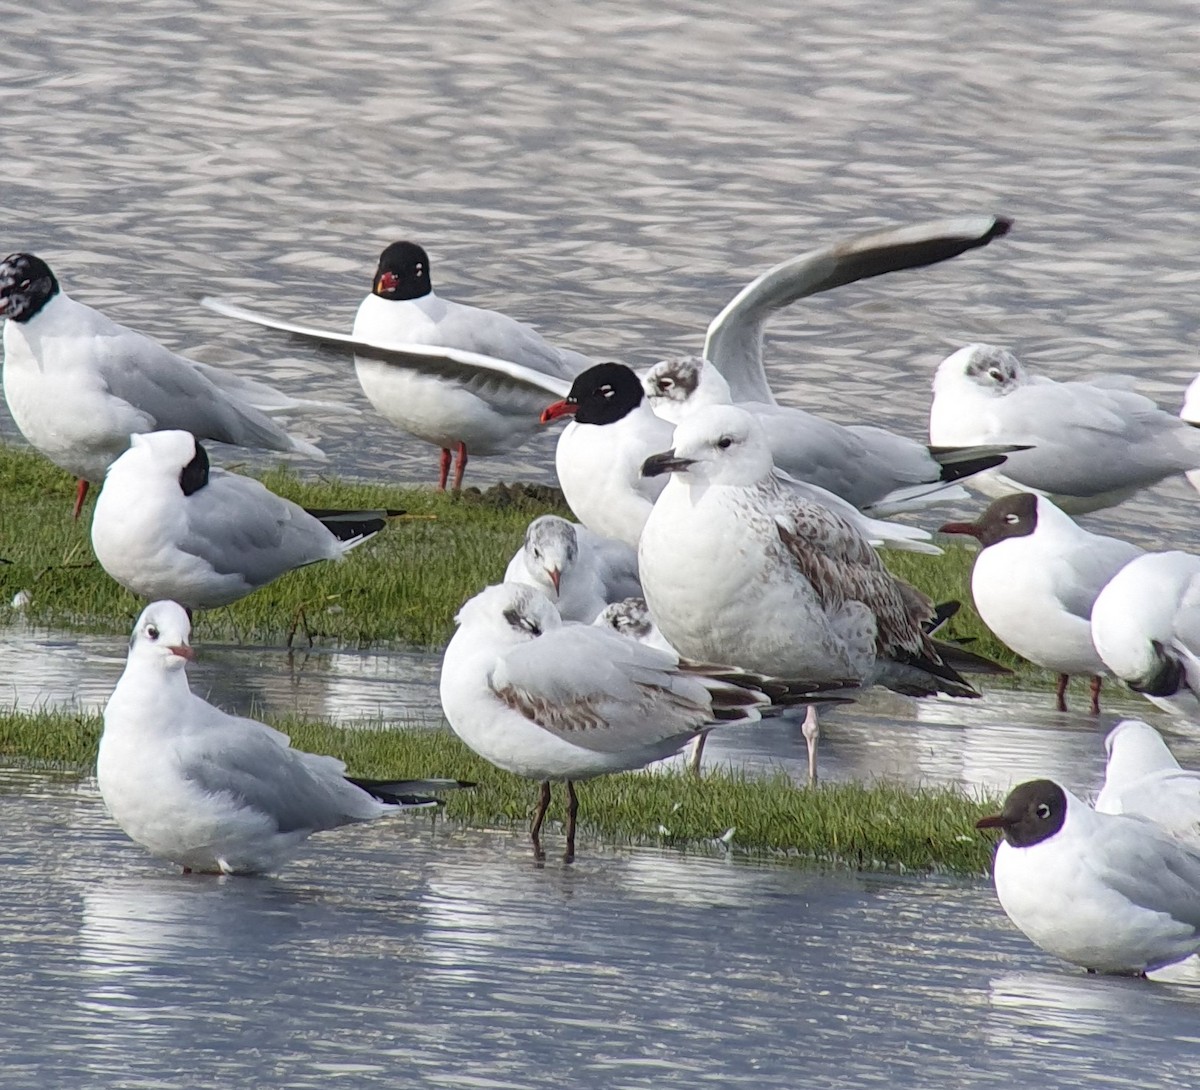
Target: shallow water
[613,175]
[429,956]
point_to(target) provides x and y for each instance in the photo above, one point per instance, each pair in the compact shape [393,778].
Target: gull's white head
[160,636]
[1191,403]
[675,388]
[551,548]
[1135,749]
[510,613]
[164,455]
[718,444]
[985,368]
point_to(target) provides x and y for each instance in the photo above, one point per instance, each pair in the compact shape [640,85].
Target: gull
[1093,444]
[871,468]
[1190,414]
[613,431]
[631,618]
[474,380]
[1146,627]
[737,567]
[554,701]
[167,525]
[213,792]
[1035,580]
[579,571]
[1143,778]
[78,384]
[1113,893]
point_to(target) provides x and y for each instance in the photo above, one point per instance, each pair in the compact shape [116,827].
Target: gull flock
[722,568]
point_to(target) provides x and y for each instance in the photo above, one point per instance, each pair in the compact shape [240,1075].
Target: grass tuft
[864,826]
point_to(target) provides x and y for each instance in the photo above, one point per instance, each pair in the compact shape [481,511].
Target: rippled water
[613,174]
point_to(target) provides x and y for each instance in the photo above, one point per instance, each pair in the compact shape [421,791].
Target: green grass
[402,587]
[865,826]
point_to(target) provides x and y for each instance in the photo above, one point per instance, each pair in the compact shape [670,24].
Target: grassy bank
[404,586]
[866,826]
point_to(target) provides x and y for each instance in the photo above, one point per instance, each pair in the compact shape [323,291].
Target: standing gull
[738,568]
[549,701]
[1091,445]
[168,525]
[1035,580]
[78,384]
[214,792]
[1114,894]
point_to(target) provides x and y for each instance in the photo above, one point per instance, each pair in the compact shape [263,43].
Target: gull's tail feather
[960,462]
[353,527]
[408,792]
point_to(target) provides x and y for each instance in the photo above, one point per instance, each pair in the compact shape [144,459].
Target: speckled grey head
[674,380]
[1033,812]
[630,617]
[552,538]
[995,367]
[26,285]
[1009,516]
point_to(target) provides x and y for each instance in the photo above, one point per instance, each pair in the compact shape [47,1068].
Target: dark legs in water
[539,815]
[1060,693]
[81,491]
[459,469]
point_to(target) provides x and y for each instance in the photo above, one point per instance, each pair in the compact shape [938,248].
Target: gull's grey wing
[172,392]
[1142,862]
[1078,577]
[734,340]
[601,691]
[240,527]
[297,791]
[475,371]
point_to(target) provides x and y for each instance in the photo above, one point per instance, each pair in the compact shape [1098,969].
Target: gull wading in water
[1146,627]
[579,571]
[1143,778]
[474,380]
[737,567]
[213,792]
[612,432]
[1090,445]
[871,468]
[168,525]
[549,700]
[1114,894]
[1035,580]
[78,384]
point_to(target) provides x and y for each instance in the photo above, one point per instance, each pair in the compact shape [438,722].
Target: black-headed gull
[873,469]
[613,431]
[1112,893]
[554,701]
[463,384]
[1143,778]
[1035,580]
[579,571]
[1092,444]
[166,525]
[737,567]
[78,384]
[213,792]
[1146,627]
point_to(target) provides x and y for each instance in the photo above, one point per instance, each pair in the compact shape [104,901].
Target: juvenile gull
[78,384]
[214,792]
[871,468]
[1143,778]
[1092,445]
[1035,580]
[737,567]
[1114,894]
[579,571]
[549,700]
[168,525]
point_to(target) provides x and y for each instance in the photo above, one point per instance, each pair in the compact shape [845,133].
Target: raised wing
[601,691]
[467,368]
[734,340]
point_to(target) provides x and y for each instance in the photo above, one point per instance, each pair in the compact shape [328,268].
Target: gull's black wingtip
[1000,228]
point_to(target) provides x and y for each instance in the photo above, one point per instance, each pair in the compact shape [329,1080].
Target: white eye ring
[1011,519]
[996,375]
[1043,811]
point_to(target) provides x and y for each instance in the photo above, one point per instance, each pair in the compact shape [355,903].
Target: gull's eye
[996,375]
[606,391]
[1042,811]
[665,384]
[25,284]
[725,442]
[151,632]
[1012,520]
